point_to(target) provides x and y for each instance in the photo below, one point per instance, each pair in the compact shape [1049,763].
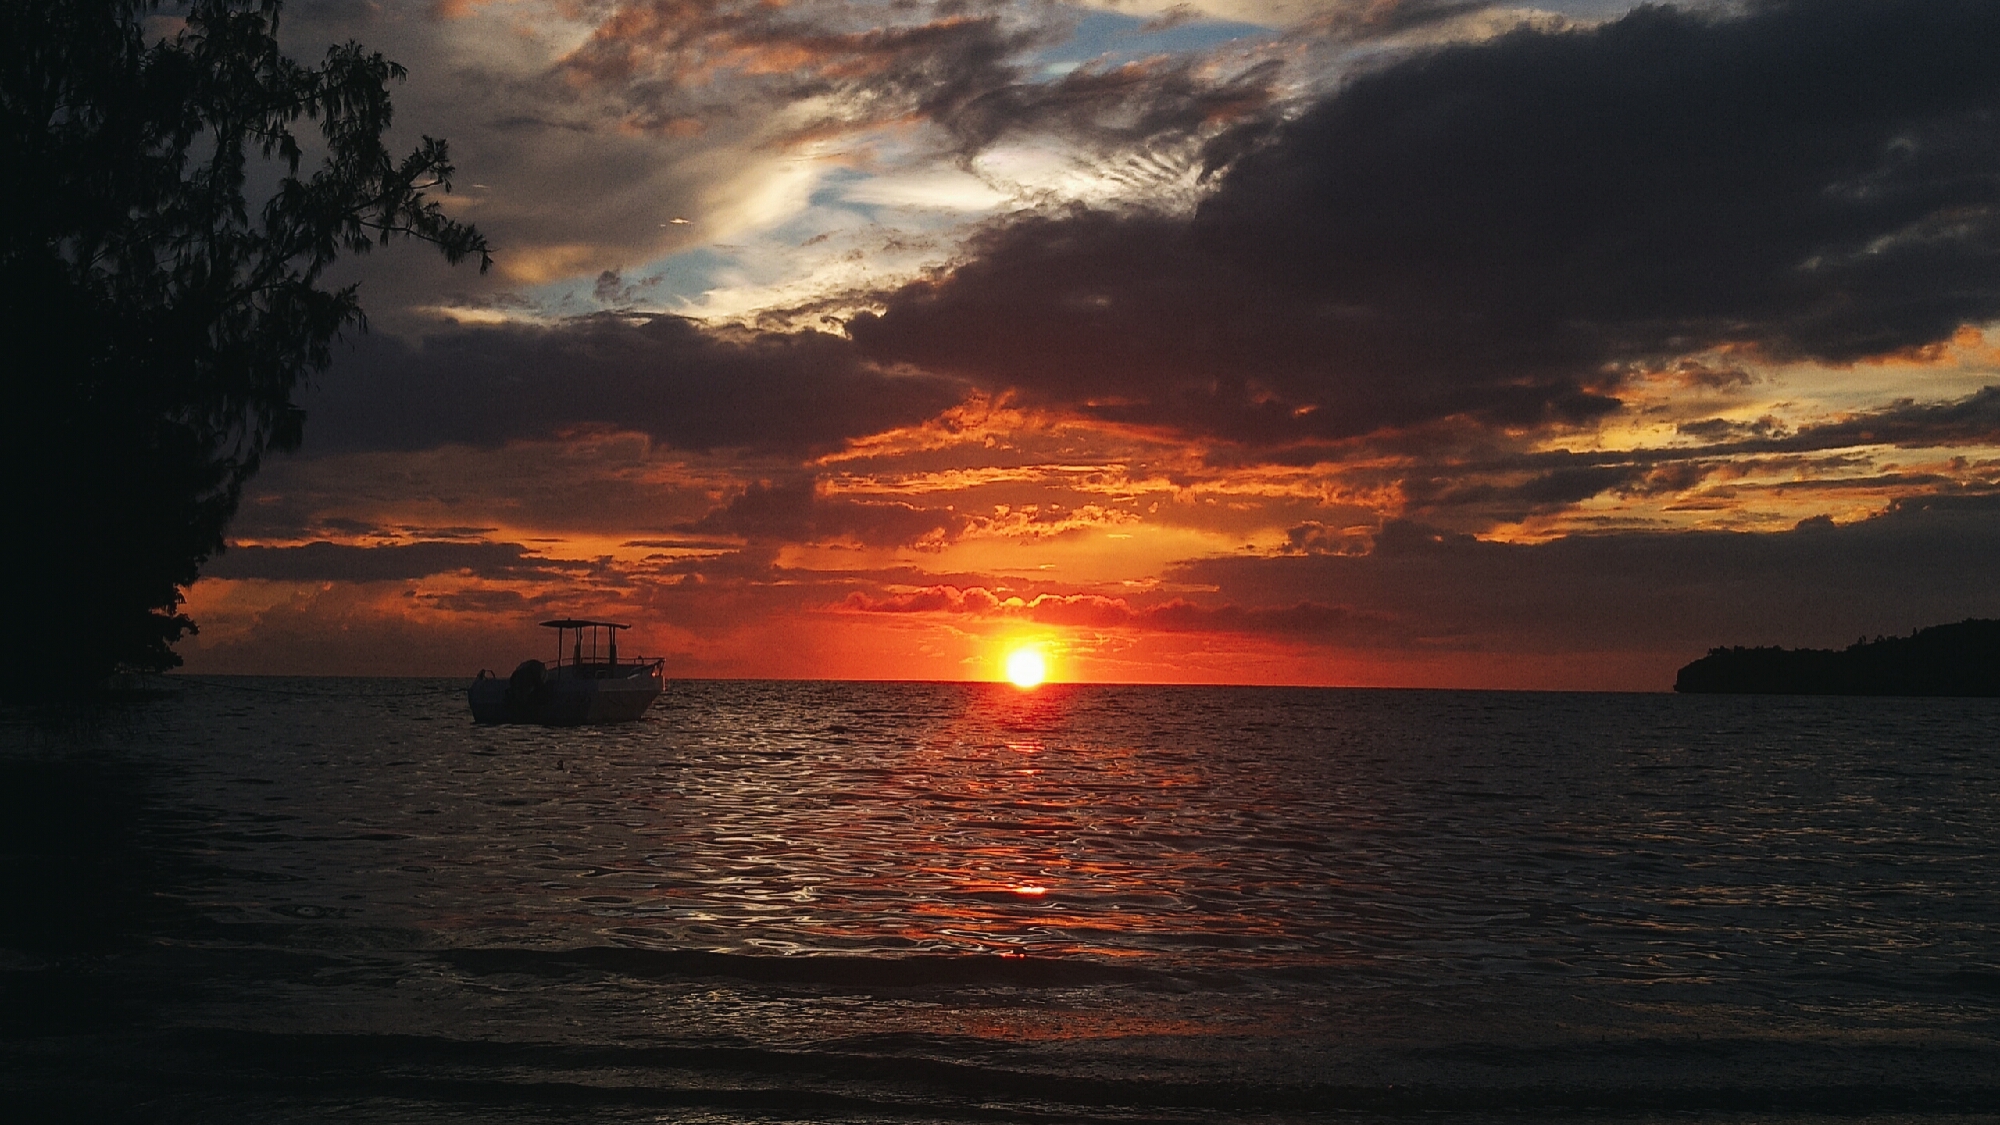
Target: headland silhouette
[1960,659]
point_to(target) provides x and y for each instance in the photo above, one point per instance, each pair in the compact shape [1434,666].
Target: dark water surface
[315,900]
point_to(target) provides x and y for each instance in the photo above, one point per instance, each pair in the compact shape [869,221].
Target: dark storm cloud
[1512,486]
[1722,429]
[1923,561]
[683,386]
[1970,421]
[670,58]
[797,512]
[1498,230]
[1546,491]
[334,562]
[1973,420]
[677,64]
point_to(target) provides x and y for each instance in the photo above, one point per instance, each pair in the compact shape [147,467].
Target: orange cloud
[1304,621]
[1968,338]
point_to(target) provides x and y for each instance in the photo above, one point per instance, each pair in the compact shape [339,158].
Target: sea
[282,900]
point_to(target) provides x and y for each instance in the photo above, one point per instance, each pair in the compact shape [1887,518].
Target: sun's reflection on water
[1193,878]
[973,818]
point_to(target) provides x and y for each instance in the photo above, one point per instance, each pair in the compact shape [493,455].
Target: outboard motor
[527,688]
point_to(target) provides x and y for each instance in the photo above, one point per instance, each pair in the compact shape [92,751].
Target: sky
[1415,343]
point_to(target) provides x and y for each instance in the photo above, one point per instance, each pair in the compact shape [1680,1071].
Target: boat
[588,683]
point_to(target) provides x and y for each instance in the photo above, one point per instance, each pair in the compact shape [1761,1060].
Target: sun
[1026,667]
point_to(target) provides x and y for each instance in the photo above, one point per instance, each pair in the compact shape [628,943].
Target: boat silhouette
[587,683]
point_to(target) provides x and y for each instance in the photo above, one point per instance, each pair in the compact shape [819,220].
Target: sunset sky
[1363,342]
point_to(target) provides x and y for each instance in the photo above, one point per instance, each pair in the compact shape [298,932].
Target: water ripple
[1205,888]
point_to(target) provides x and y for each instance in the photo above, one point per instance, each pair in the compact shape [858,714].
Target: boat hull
[618,695]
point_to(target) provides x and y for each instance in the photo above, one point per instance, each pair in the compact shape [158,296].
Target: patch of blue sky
[1110,38]
[850,215]
[687,275]
[832,192]
[681,277]
[1589,11]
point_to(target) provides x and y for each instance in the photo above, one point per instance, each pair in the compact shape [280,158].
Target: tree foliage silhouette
[168,224]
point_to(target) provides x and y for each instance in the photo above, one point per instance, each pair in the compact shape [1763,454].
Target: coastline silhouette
[1960,659]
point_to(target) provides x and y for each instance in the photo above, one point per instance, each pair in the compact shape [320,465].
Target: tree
[159,314]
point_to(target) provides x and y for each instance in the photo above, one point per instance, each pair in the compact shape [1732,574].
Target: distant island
[1961,659]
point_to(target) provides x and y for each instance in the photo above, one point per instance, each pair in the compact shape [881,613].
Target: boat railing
[625,668]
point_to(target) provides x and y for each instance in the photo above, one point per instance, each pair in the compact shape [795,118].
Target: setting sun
[1026,667]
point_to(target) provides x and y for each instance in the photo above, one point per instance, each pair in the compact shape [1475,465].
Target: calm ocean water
[270,900]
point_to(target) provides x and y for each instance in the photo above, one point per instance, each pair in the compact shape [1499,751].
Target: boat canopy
[603,648]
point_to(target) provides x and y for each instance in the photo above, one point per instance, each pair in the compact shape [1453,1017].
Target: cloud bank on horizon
[1375,343]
